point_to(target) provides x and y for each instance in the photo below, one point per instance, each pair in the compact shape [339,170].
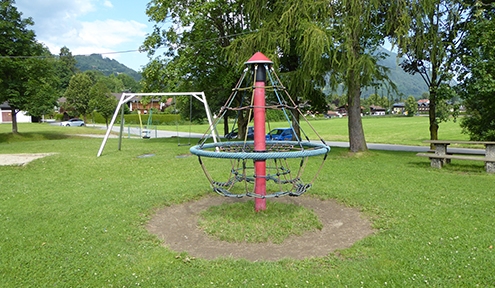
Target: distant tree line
[105,65]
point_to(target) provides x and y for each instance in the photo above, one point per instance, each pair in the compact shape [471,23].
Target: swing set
[190,122]
[126,97]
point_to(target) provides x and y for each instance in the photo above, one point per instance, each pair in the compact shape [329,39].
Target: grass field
[390,130]
[74,220]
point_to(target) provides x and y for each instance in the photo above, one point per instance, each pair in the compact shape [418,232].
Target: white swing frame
[126,97]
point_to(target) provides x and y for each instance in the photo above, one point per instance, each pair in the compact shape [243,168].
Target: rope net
[286,160]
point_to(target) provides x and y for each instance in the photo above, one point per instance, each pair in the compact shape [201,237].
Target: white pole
[110,126]
[210,118]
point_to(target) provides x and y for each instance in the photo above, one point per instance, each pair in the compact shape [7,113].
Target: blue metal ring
[314,150]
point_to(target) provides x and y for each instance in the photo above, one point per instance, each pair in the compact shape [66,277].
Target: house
[332,114]
[6,115]
[342,110]
[423,105]
[398,108]
[377,111]
[135,104]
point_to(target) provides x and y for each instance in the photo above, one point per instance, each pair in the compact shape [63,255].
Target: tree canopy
[65,68]
[102,100]
[26,66]
[436,29]
[194,57]
[77,94]
[478,75]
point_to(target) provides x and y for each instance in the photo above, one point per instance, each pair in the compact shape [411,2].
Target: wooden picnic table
[441,156]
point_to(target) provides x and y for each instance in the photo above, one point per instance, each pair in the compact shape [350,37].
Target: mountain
[105,65]
[406,83]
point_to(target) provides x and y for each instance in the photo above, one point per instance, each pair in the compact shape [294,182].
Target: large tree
[130,84]
[436,29]
[26,75]
[193,59]
[65,68]
[102,100]
[315,38]
[78,94]
[41,95]
[291,35]
[478,74]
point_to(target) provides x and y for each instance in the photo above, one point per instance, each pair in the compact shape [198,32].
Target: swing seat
[146,134]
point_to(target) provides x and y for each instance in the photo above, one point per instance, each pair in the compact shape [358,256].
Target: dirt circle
[177,227]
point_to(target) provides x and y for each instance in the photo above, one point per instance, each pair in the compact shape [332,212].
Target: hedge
[157,119]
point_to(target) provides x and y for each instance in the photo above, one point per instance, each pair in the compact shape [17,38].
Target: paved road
[392,147]
[135,131]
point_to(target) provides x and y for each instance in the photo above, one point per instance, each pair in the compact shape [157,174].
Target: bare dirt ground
[20,159]
[177,227]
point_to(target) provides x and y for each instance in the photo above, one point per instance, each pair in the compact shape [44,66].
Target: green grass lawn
[74,220]
[389,130]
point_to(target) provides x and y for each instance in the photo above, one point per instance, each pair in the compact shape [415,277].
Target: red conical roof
[258,57]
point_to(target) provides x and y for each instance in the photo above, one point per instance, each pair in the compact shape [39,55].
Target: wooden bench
[441,156]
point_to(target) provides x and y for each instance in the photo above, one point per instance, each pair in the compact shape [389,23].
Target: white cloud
[54,10]
[84,26]
[108,4]
[55,18]
[99,37]
[110,32]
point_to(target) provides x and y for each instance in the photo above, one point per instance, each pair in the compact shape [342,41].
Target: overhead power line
[130,51]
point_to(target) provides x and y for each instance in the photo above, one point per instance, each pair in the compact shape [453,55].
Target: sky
[91,26]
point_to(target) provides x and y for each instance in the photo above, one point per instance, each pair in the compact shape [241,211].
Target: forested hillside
[105,65]
[406,83]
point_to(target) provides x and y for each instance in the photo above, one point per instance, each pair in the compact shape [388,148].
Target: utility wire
[132,51]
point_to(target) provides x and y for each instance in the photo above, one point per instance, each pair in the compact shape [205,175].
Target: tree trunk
[295,125]
[295,122]
[432,116]
[357,142]
[242,122]
[14,120]
[226,129]
[432,113]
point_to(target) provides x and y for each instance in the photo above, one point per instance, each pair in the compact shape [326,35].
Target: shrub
[157,119]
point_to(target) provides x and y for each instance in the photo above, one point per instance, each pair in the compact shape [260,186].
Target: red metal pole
[258,61]
[259,144]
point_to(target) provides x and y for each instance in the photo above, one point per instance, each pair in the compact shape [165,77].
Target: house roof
[346,106]
[376,108]
[424,102]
